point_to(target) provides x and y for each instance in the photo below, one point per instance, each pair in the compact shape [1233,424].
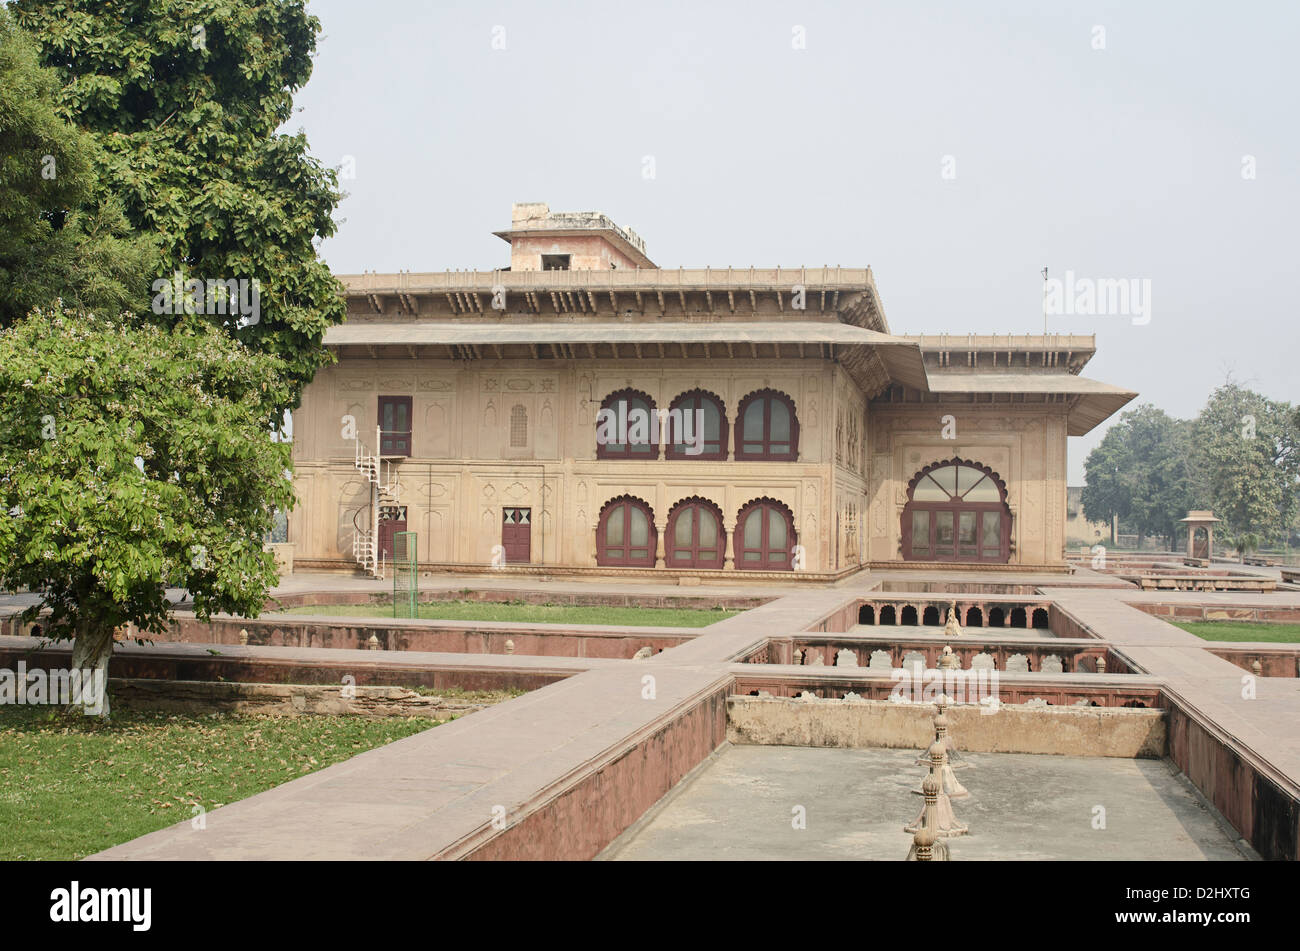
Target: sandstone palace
[793,431]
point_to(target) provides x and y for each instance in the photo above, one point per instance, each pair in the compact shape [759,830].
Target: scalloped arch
[700,391]
[625,392]
[628,497]
[955,461]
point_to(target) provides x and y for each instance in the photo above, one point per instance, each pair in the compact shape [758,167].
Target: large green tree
[1107,490]
[60,236]
[1247,455]
[184,98]
[1141,472]
[1161,484]
[133,457]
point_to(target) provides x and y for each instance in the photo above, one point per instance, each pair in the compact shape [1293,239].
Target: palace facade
[799,434]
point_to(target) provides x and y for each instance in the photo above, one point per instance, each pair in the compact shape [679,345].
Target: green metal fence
[406,575]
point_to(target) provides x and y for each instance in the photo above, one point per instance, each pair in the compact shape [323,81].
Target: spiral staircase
[385,489]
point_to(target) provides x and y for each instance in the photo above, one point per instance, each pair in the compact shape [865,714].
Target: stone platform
[740,807]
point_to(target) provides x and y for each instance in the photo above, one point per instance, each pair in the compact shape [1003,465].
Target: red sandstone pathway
[435,795]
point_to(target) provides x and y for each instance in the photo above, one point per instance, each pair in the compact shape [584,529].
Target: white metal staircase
[385,489]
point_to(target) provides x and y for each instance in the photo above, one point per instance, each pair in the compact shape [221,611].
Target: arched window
[695,537]
[957,511]
[518,426]
[697,427]
[625,534]
[766,427]
[765,537]
[626,427]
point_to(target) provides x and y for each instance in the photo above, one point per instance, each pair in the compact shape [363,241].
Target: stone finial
[941,733]
[1101,665]
[926,844]
[1257,667]
[373,643]
[798,657]
[510,646]
[948,660]
[243,636]
[945,821]
[953,627]
[644,653]
[950,783]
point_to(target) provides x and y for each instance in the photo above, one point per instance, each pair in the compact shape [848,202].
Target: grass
[523,613]
[470,696]
[1242,631]
[71,785]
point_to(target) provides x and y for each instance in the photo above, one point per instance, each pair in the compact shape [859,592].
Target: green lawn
[534,613]
[71,785]
[1241,631]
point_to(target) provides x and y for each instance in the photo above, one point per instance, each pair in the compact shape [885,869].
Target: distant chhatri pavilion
[829,443]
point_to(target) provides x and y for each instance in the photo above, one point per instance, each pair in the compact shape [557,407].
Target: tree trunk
[91,649]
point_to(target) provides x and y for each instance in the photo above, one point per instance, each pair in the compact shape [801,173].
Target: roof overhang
[873,359]
[1090,401]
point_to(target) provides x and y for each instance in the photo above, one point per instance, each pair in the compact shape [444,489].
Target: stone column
[728,544]
[661,529]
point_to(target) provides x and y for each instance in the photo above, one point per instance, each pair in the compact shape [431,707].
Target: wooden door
[392,519]
[517,535]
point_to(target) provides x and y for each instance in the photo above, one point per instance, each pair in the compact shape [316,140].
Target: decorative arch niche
[957,511]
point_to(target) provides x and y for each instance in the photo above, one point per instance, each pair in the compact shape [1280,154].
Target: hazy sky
[1123,162]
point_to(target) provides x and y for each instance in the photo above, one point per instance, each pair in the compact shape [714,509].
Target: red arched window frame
[767,427]
[695,536]
[618,537]
[764,521]
[715,425]
[631,399]
[957,511]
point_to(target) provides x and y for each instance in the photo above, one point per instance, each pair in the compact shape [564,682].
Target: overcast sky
[957,148]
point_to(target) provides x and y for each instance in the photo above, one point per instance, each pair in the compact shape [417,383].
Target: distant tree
[1161,482]
[58,237]
[133,457]
[1107,492]
[1247,464]
[185,98]
[1141,472]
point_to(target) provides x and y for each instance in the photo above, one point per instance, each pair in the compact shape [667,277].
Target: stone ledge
[1064,731]
[198,696]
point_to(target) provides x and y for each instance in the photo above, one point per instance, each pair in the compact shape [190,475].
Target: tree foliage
[132,458]
[1240,457]
[184,99]
[58,237]
[1107,491]
[1248,449]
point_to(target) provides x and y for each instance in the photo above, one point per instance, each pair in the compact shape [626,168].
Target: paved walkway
[436,794]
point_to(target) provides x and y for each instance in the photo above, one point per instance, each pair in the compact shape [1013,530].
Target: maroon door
[517,535]
[392,519]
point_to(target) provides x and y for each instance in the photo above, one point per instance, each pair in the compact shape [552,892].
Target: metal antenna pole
[1044,302]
